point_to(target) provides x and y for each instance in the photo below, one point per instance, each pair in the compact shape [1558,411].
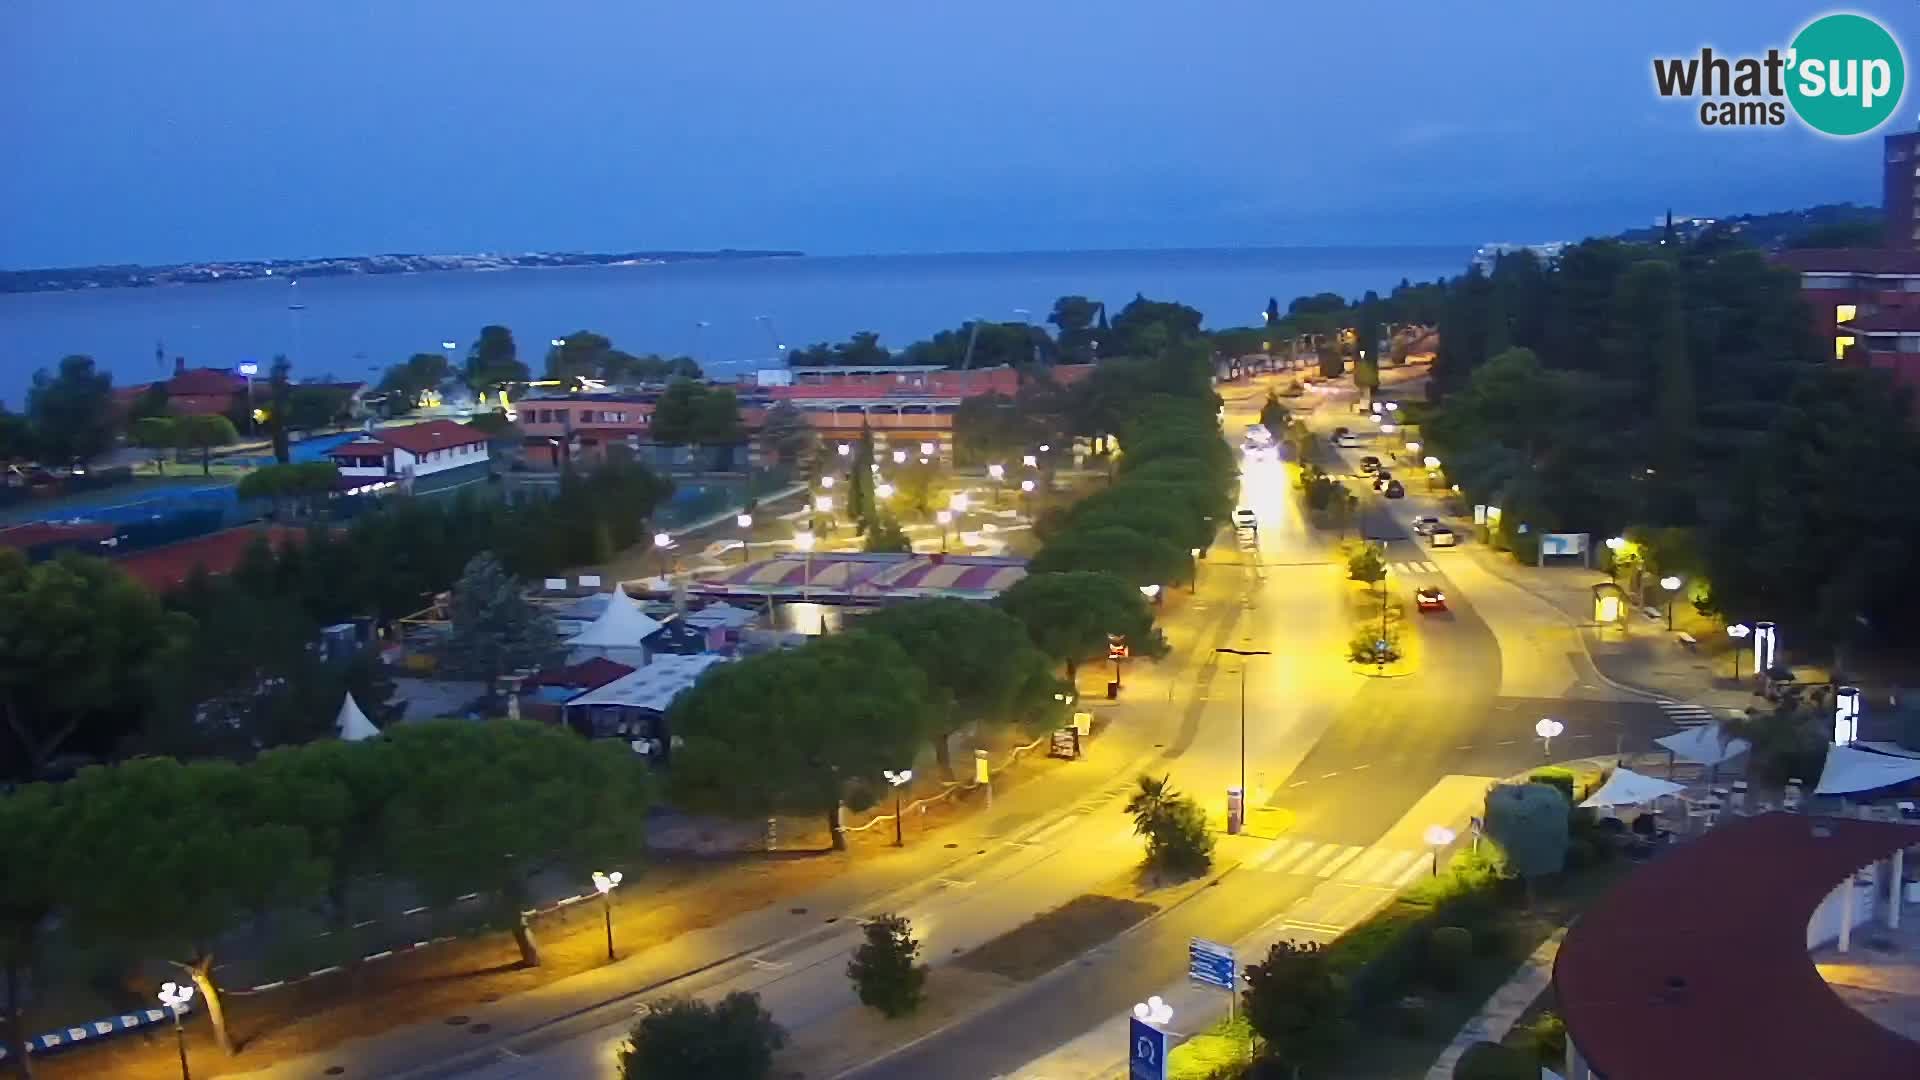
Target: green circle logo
[1847,75]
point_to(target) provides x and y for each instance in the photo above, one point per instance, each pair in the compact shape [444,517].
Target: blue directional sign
[1146,1051]
[1210,963]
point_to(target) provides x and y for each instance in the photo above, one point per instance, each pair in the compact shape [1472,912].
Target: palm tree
[1150,803]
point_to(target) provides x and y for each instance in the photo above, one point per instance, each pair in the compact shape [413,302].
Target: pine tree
[883,971]
[860,505]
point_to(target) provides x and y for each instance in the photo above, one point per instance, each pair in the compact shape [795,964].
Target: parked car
[1369,463]
[1441,536]
[1394,490]
[1428,598]
[1244,518]
[1424,525]
[1346,442]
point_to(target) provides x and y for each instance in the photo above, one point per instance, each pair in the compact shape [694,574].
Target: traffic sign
[1146,1051]
[1210,963]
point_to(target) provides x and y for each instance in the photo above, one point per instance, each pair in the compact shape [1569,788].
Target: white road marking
[1345,856]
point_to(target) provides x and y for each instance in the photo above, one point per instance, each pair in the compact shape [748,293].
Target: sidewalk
[1506,1006]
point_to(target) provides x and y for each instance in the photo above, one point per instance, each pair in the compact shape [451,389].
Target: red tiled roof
[206,381]
[168,566]
[1697,965]
[1849,261]
[1069,374]
[418,438]
[35,533]
[589,674]
[199,404]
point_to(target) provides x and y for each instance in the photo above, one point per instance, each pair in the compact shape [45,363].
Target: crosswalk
[1685,715]
[1421,567]
[1388,868]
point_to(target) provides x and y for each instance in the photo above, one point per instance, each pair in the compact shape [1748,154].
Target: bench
[1652,614]
[1687,641]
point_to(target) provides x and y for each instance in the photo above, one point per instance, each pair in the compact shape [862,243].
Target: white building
[410,453]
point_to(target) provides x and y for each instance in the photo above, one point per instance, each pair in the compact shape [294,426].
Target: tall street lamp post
[1672,585]
[1738,632]
[997,473]
[1438,837]
[745,521]
[661,542]
[804,542]
[1243,654]
[605,884]
[175,996]
[1026,499]
[898,780]
[1547,728]
[943,518]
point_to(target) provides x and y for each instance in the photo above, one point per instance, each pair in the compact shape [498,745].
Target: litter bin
[1113,691]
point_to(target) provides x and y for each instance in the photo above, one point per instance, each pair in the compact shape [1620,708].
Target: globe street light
[449,345]
[1438,837]
[822,504]
[898,780]
[926,449]
[1547,728]
[827,482]
[884,490]
[1672,585]
[175,996]
[1030,461]
[661,542]
[1154,1011]
[605,884]
[1738,632]
[745,521]
[899,457]
[804,542]
[998,474]
[844,449]
[944,518]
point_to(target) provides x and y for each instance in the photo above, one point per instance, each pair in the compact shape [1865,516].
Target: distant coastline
[68,279]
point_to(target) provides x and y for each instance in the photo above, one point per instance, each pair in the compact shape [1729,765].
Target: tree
[494,629]
[1074,317]
[860,501]
[494,359]
[311,407]
[979,664]
[336,793]
[421,372]
[675,420]
[791,730]
[32,833]
[1272,314]
[279,408]
[886,535]
[301,481]
[71,412]
[155,434]
[1364,563]
[1071,616]
[204,860]
[1174,826]
[203,432]
[1294,1004]
[1529,824]
[883,970]
[487,806]
[151,401]
[1147,327]
[786,436]
[1133,557]
[582,354]
[1274,415]
[688,1039]
[80,646]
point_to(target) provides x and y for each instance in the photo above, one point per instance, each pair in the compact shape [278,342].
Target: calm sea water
[353,327]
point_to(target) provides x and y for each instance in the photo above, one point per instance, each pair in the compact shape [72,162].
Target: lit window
[1840,347]
[1844,313]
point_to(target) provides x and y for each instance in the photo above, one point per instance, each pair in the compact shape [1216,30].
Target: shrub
[1449,949]
[1491,1061]
[1410,1016]
[684,1039]
[1556,777]
[1365,648]
[882,968]
[1547,1038]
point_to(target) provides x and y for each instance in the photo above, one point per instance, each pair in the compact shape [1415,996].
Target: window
[1840,346]
[1845,313]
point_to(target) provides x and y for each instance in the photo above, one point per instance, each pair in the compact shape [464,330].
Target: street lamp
[1030,461]
[745,521]
[1235,826]
[926,449]
[822,504]
[1154,1011]
[899,457]
[1438,837]
[449,345]
[1672,585]
[1431,462]
[1547,728]
[944,518]
[661,542]
[249,370]
[898,780]
[804,542]
[1738,632]
[844,449]
[883,490]
[605,884]
[827,482]
[174,996]
[998,474]
[558,342]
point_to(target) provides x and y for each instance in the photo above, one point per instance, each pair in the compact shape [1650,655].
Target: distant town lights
[827,482]
[844,449]
[1030,461]
[998,472]
[1026,485]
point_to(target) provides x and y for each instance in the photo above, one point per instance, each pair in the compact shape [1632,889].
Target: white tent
[352,724]
[622,625]
[1704,745]
[1628,788]
[1849,770]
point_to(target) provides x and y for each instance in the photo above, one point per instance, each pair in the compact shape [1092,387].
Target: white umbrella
[1628,788]
[353,724]
[1848,770]
[1704,745]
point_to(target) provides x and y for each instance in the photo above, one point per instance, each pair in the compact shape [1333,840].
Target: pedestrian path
[1388,867]
[1421,567]
[1686,715]
[1506,1006]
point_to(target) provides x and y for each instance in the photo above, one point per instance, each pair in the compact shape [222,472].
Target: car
[1429,598]
[1394,490]
[1346,442]
[1441,536]
[1253,451]
[1245,519]
[1258,435]
[1381,478]
[1424,525]
[1369,463]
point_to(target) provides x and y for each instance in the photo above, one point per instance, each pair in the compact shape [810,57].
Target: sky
[156,131]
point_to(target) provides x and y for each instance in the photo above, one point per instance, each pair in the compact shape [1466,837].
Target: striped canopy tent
[868,576]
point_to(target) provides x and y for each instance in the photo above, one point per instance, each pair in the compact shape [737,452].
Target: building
[1900,191]
[1697,964]
[1866,302]
[635,705]
[581,427]
[450,454]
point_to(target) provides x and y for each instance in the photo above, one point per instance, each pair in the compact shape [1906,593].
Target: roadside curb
[1493,563]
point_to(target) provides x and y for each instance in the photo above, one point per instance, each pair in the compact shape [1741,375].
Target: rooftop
[869,576]
[652,687]
[1850,261]
[1697,964]
[415,438]
[168,566]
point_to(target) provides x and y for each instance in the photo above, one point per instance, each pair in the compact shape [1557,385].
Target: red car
[1430,599]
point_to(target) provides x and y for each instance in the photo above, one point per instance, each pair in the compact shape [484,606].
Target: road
[1343,768]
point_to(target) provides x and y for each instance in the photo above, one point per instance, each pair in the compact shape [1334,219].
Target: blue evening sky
[166,130]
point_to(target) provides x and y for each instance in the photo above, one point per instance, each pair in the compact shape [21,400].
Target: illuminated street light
[1547,728]
[898,780]
[1432,462]
[1026,486]
[449,345]
[926,449]
[998,472]
[745,521]
[1393,406]
[803,542]
[885,491]
[605,883]
[1045,448]
[1672,585]
[558,342]
[823,503]
[1738,632]
[661,542]
[1438,837]
[1615,543]
[1244,655]
[1150,591]
[1154,1011]
[827,482]
[844,449]
[944,518]
[1413,447]
[899,457]
[1030,461]
[958,503]
[175,997]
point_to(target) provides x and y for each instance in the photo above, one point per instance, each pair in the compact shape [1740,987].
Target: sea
[731,314]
